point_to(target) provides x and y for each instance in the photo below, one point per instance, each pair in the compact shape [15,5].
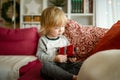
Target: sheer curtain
[107,12]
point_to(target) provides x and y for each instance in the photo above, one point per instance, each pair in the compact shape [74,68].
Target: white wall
[107,12]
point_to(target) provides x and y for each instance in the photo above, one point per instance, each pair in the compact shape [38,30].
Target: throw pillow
[83,37]
[111,39]
[18,41]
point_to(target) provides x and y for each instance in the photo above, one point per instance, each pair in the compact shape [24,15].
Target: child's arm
[42,52]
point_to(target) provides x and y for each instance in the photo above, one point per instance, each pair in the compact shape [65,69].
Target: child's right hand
[60,58]
[72,59]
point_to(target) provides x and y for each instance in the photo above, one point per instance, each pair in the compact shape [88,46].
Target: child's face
[56,31]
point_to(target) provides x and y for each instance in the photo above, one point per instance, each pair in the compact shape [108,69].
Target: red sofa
[20,42]
[23,42]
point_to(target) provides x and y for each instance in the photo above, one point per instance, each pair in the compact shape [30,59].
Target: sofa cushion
[18,41]
[83,37]
[111,39]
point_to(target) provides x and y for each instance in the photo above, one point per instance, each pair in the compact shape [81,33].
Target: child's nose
[60,30]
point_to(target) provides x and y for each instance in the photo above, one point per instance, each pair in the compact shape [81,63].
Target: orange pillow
[111,40]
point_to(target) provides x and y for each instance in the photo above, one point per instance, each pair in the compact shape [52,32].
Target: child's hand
[60,58]
[72,59]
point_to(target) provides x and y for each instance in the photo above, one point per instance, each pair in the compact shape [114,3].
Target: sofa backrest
[24,41]
[18,41]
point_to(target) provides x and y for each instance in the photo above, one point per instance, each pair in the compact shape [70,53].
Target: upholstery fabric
[18,41]
[111,39]
[83,37]
[33,73]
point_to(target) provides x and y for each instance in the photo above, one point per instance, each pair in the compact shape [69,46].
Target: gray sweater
[47,48]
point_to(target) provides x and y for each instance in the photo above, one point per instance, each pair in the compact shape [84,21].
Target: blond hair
[52,17]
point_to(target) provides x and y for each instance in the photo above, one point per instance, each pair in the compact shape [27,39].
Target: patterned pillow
[83,37]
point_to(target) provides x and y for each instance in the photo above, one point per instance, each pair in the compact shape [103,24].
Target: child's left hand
[72,59]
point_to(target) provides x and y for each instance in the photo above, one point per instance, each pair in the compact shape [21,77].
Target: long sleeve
[42,52]
[47,49]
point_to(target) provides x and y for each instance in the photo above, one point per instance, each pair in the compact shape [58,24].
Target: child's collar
[52,38]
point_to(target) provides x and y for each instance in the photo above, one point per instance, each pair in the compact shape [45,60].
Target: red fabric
[18,41]
[83,37]
[111,39]
[31,71]
[27,67]
[69,50]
